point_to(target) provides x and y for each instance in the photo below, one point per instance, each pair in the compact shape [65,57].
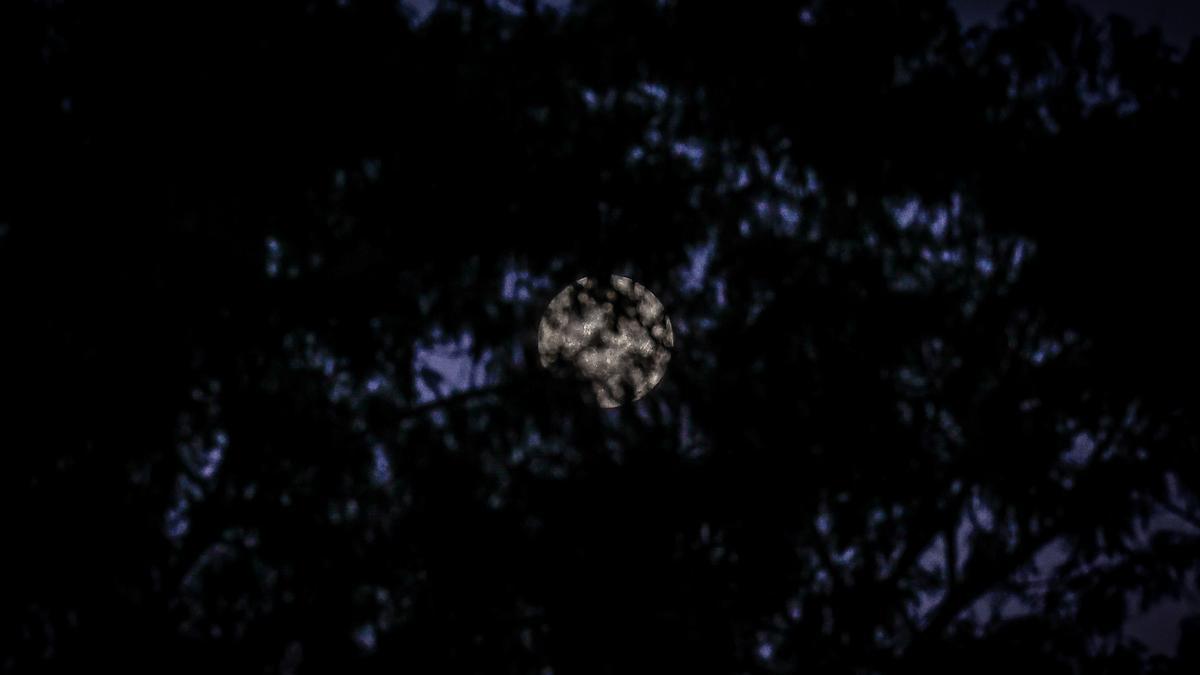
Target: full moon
[612,334]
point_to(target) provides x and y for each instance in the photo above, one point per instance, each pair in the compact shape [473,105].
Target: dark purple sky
[1180,19]
[1159,628]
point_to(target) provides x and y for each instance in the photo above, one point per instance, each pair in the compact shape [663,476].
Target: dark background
[270,276]
[1179,20]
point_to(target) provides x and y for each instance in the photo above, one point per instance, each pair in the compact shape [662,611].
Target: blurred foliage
[931,402]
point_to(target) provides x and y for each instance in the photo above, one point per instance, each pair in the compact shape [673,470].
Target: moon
[614,335]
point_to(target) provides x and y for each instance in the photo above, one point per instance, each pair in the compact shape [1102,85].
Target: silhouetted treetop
[272,274]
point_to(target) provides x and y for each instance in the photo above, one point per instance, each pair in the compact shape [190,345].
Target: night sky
[300,378]
[1180,22]
[1179,19]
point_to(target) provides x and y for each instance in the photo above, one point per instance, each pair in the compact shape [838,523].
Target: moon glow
[613,334]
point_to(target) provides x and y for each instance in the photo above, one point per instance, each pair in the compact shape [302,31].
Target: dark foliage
[933,393]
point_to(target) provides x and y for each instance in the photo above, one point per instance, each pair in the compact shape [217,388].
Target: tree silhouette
[271,281]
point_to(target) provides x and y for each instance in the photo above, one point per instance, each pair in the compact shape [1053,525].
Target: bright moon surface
[614,335]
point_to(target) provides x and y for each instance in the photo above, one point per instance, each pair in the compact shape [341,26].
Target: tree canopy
[272,274]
